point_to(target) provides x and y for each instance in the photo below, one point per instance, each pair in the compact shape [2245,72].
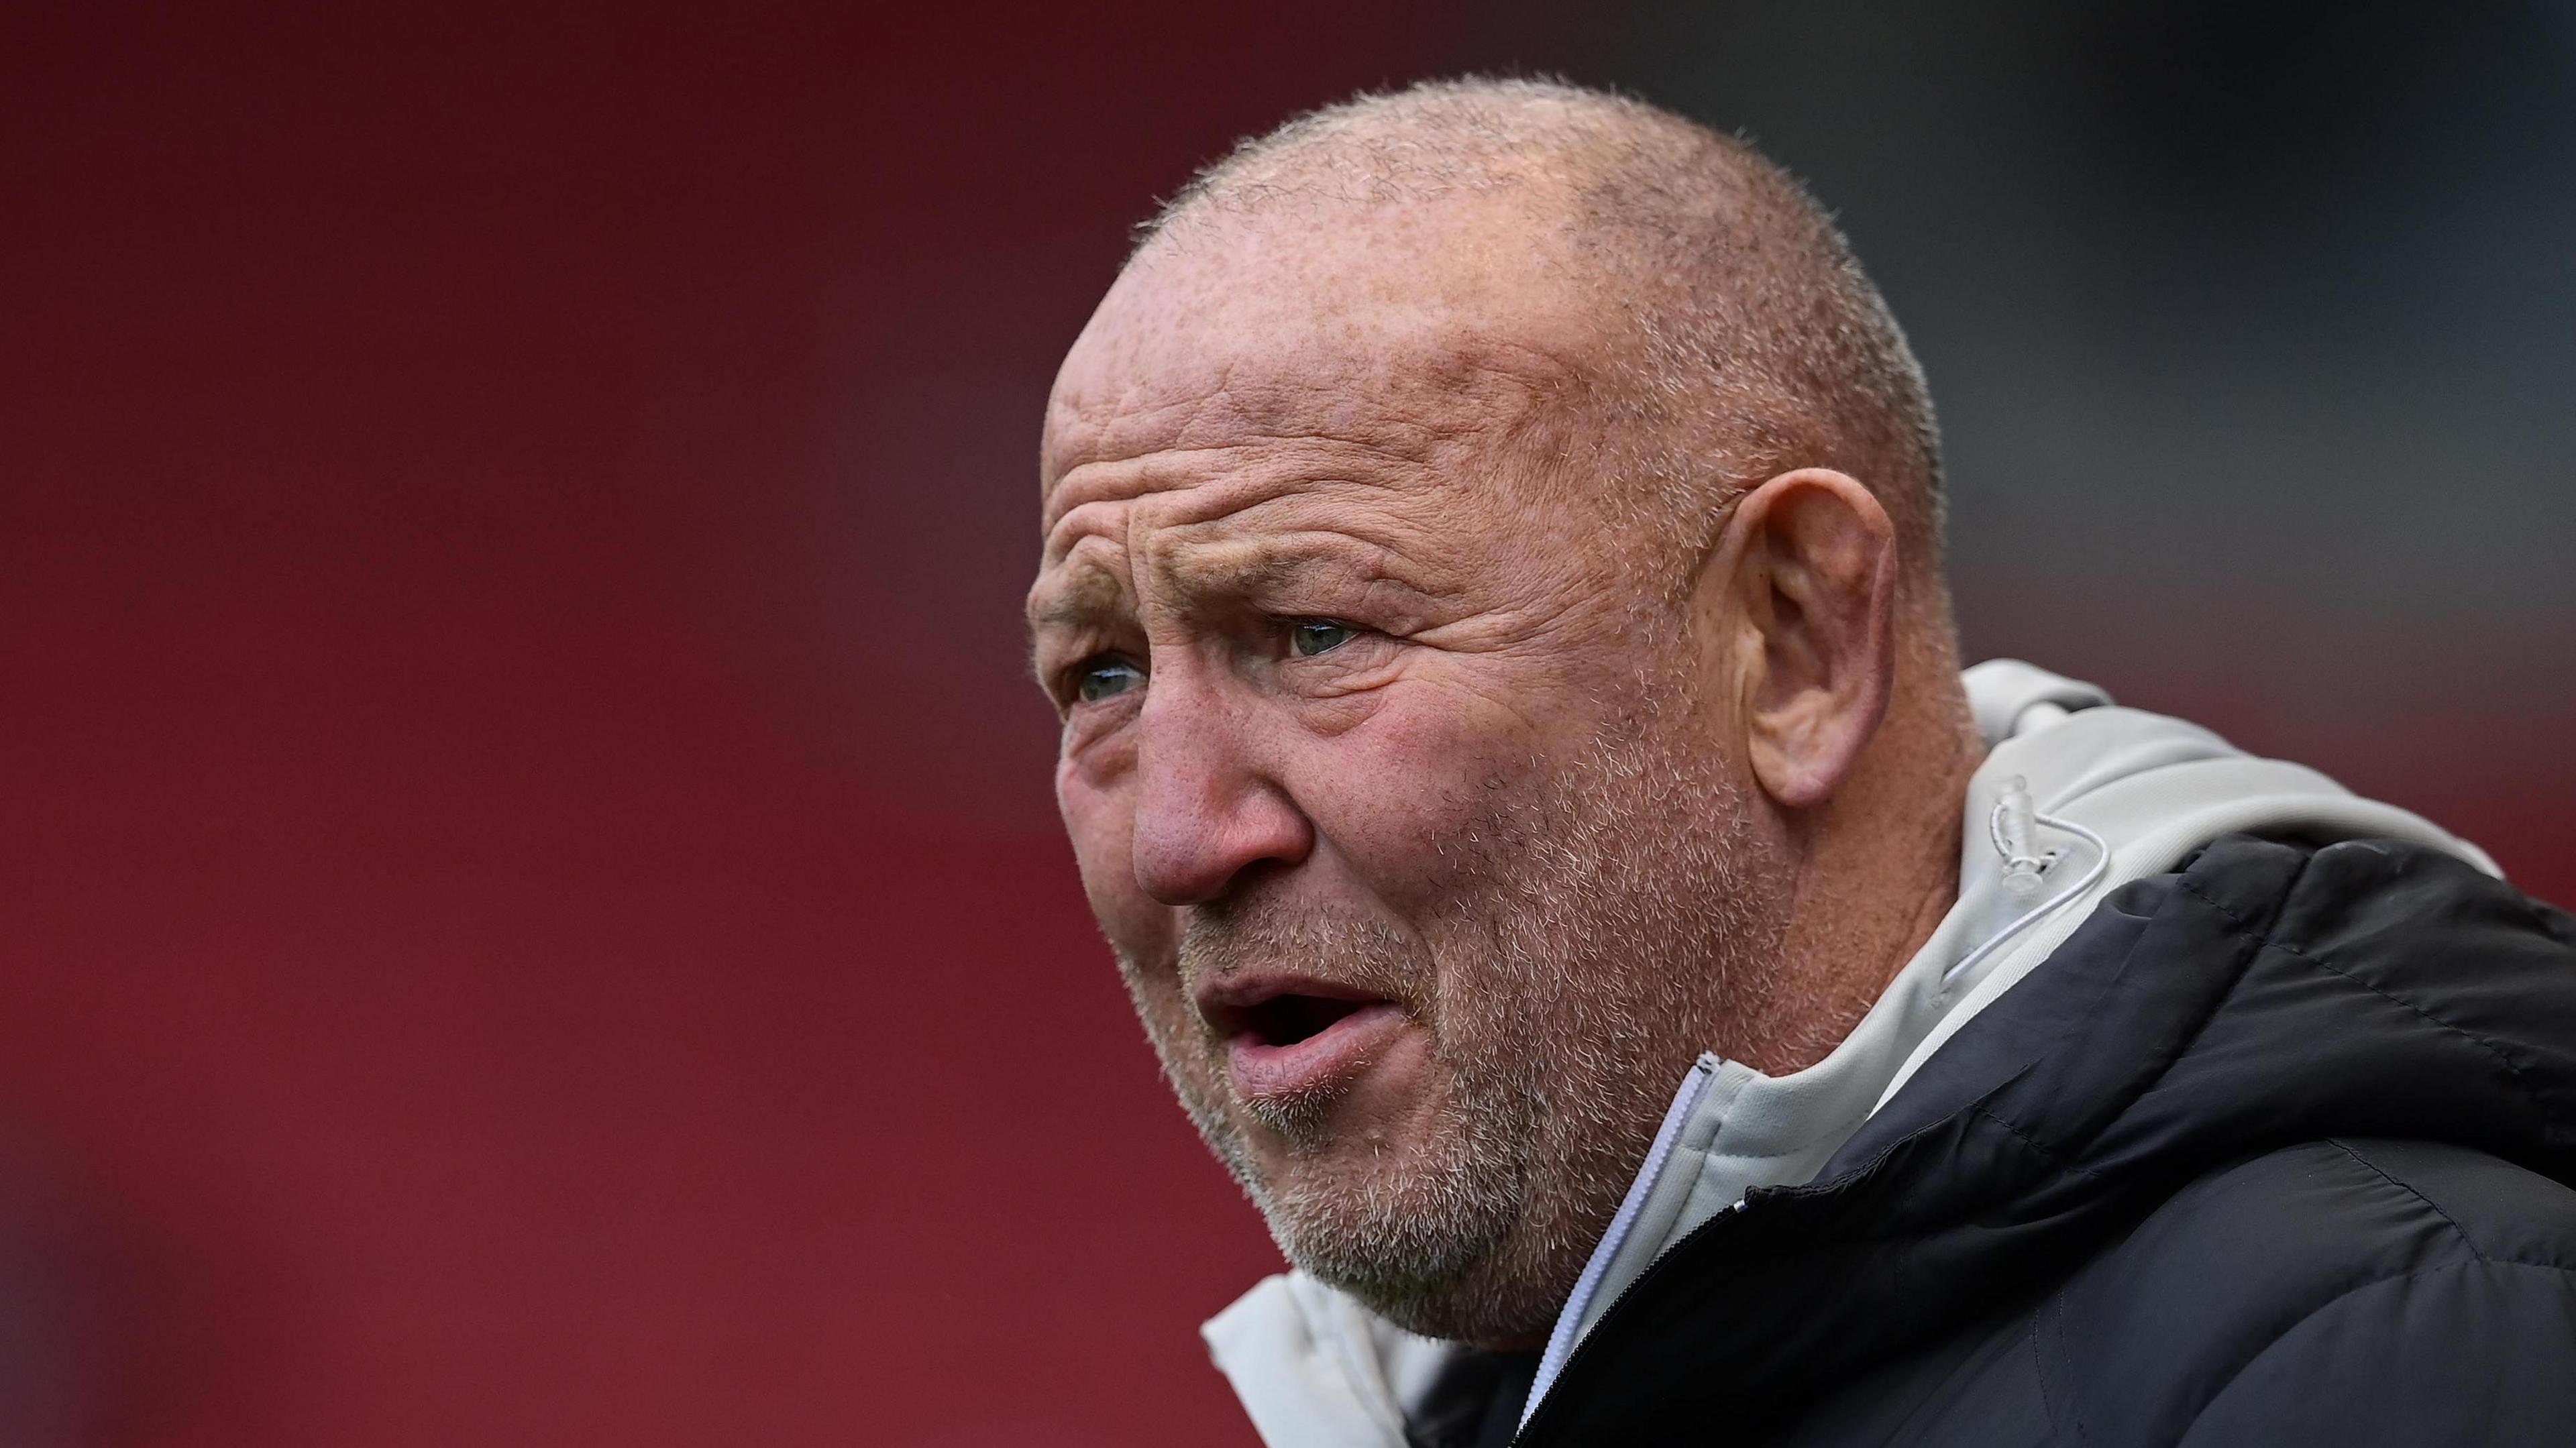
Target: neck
[1878,869]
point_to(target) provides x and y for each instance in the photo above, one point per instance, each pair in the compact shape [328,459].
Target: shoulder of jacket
[2345,1204]
[2287,881]
[2140,1339]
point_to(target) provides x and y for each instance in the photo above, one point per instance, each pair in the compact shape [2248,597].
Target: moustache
[1240,939]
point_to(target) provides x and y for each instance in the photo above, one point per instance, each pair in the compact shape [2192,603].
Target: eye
[1311,636]
[1105,677]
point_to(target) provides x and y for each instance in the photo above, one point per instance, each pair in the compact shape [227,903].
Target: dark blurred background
[530,908]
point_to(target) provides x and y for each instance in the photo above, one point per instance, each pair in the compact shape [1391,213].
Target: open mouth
[1285,1020]
[1297,1037]
[1280,1011]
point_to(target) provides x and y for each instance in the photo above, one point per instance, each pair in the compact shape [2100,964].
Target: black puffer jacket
[2274,1150]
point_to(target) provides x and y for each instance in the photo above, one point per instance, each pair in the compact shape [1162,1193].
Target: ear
[1807,568]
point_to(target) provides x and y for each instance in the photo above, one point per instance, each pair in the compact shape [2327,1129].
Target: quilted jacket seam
[2267,941]
[2409,1189]
[2338,1299]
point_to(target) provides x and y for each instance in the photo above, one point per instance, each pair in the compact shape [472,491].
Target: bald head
[1737,337]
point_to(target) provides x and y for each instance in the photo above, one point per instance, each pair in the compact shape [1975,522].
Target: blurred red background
[532,904]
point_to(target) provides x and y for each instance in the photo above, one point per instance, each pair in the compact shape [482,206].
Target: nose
[1206,812]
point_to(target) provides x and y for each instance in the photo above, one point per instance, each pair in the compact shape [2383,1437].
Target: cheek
[1101,824]
[1400,797]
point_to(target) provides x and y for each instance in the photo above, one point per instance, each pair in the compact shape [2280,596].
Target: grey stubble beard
[1595,937]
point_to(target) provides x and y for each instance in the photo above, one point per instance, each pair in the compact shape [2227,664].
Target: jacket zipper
[1522,1438]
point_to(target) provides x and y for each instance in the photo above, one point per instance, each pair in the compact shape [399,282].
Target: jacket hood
[2266,993]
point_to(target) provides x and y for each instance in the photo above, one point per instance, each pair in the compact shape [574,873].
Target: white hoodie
[2122,794]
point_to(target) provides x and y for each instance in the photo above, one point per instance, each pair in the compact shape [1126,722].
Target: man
[1515,745]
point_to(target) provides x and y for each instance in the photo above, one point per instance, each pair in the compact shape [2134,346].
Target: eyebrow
[1236,567]
[1085,594]
[1088,593]
[1239,568]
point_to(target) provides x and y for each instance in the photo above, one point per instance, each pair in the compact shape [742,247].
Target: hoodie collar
[2262,993]
[2119,794]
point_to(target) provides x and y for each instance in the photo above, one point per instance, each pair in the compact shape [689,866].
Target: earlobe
[1813,559]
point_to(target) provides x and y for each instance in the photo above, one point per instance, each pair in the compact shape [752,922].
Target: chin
[1432,1250]
[1495,1303]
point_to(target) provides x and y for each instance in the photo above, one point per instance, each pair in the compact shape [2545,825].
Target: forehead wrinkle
[1398,438]
[1485,401]
[1178,487]
[1095,431]
[1382,514]
[1404,398]
[1109,483]
[1401,407]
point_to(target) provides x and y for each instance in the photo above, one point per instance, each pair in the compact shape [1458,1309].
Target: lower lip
[1332,1056]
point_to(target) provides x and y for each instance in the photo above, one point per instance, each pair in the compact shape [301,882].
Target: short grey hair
[1756,342]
